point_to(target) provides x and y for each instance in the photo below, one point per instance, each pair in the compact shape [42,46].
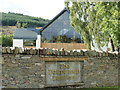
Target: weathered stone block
[86,53]
[93,53]
[44,51]
[50,51]
[26,57]
[20,50]
[8,50]
[17,56]
[47,51]
[66,53]
[80,53]
[75,53]
[53,51]
[71,52]
[16,50]
[31,51]
[34,51]
[41,51]
[4,50]
[37,51]
[56,52]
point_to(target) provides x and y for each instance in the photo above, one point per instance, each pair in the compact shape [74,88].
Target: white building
[27,34]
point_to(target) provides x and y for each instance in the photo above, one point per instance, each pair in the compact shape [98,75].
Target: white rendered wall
[104,48]
[38,41]
[17,43]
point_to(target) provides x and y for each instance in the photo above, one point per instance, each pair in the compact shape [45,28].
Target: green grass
[109,88]
[117,87]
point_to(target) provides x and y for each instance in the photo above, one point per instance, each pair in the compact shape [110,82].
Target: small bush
[6,40]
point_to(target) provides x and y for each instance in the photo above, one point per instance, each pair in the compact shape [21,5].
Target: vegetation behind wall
[6,40]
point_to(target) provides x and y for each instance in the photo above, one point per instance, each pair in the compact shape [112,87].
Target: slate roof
[45,26]
[26,33]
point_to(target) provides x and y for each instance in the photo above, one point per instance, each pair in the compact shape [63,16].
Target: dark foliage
[6,40]
[11,19]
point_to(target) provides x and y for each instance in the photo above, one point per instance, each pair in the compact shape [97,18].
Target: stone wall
[26,68]
[101,72]
[22,71]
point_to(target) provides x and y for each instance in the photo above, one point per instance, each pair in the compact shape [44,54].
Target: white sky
[46,9]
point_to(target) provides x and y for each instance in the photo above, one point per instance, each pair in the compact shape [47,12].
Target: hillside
[11,19]
[10,30]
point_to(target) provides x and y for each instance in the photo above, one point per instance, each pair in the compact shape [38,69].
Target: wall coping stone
[58,52]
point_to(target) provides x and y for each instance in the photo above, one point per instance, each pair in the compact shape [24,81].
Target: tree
[96,21]
[79,21]
[109,21]
[24,25]
[18,24]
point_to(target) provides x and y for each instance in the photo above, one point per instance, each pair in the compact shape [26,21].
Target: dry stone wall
[101,72]
[22,71]
[25,68]
[57,52]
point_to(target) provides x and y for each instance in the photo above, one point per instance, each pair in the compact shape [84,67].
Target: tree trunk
[112,44]
[89,46]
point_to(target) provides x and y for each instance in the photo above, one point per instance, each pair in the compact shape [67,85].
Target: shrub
[7,40]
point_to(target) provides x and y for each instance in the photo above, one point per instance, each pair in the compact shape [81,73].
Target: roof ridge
[51,21]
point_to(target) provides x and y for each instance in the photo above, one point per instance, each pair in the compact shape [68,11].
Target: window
[60,31]
[29,43]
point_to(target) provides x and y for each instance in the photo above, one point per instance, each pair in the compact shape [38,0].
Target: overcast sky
[39,8]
